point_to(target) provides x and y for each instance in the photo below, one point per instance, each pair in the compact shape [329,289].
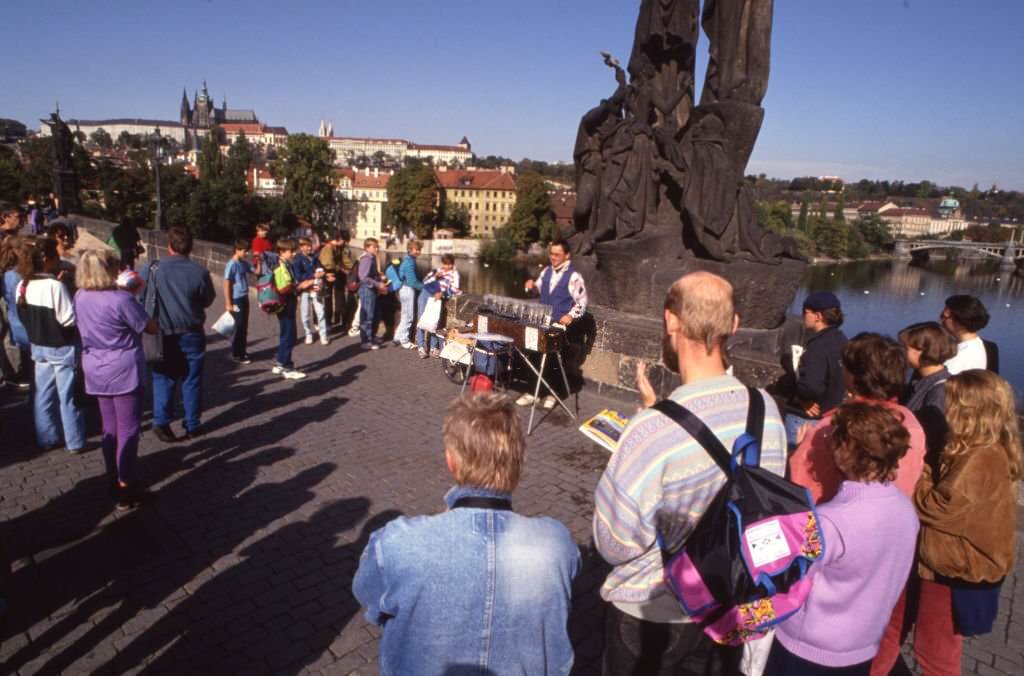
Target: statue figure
[659,162]
[65,178]
[61,143]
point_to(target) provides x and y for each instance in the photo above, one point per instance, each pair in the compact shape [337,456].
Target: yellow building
[489,195]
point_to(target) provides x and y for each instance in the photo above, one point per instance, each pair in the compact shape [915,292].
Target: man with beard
[660,481]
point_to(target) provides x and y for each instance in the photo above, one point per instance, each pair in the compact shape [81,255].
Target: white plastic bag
[431,316]
[225,325]
[755,654]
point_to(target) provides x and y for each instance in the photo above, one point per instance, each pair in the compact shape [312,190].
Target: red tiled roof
[371,182]
[475,180]
[247,127]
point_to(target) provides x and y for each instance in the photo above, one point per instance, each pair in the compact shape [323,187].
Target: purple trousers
[121,428]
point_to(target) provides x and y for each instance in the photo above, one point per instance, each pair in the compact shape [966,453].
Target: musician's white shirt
[577,289]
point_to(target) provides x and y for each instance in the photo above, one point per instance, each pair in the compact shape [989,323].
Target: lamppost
[158,152]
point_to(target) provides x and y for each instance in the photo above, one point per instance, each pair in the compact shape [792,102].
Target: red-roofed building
[563,203]
[262,182]
[489,195]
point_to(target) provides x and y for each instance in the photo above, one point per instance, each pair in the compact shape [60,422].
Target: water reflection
[882,296]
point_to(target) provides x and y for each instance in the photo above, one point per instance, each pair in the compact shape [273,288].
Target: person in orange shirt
[874,367]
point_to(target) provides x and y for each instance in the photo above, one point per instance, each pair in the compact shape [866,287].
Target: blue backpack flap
[744,568]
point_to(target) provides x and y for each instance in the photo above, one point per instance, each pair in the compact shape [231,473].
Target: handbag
[225,325]
[153,344]
[431,316]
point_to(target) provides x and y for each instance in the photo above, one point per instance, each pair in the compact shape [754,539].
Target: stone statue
[65,178]
[658,161]
[660,178]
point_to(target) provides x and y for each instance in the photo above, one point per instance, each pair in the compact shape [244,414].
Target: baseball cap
[821,300]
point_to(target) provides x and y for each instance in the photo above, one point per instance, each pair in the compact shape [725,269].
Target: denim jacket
[470,590]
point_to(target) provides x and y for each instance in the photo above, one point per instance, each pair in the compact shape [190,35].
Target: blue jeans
[421,335]
[367,314]
[312,308]
[407,296]
[793,423]
[286,330]
[54,408]
[184,355]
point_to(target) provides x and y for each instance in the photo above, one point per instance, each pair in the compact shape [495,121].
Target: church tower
[203,116]
[186,111]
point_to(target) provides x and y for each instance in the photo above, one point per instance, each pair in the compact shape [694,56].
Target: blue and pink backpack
[746,565]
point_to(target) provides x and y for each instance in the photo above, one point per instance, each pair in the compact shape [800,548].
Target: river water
[882,296]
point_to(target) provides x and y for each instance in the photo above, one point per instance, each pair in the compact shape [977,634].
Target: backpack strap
[755,423]
[698,430]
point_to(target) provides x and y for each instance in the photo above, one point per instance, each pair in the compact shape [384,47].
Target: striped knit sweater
[661,479]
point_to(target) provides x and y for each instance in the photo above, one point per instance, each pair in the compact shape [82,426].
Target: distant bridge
[1008,253]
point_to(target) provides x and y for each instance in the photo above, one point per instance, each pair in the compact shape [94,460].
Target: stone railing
[617,340]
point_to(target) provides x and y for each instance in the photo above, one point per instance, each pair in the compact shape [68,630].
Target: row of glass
[528,311]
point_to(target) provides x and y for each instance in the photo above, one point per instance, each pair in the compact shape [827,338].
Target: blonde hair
[97,270]
[483,434]
[980,411]
[703,302]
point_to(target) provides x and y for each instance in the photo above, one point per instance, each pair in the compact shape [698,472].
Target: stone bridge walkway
[244,562]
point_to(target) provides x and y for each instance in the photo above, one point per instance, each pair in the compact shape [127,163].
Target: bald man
[659,480]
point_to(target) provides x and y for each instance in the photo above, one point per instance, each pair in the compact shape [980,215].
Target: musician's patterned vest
[558,298]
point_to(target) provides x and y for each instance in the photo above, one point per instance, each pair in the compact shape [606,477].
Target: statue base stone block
[633,275]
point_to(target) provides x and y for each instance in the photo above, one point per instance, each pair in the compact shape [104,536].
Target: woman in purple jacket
[111,322]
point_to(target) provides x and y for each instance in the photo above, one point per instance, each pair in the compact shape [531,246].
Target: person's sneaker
[164,434]
[548,402]
[309,340]
[242,360]
[408,346]
[525,400]
[277,369]
[434,352]
[370,346]
[423,353]
[324,340]
[189,435]
[293,374]
[354,331]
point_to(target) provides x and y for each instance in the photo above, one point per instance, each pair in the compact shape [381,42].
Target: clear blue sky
[902,89]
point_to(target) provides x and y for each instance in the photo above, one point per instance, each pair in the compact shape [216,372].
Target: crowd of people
[913,481]
[914,485]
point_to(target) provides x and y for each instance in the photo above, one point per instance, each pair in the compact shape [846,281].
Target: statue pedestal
[633,275]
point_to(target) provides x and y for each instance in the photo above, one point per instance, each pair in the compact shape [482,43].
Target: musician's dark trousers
[572,359]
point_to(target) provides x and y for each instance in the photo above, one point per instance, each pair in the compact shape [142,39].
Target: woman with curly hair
[869,529]
[968,519]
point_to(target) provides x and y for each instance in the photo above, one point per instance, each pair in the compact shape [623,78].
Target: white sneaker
[525,400]
[324,340]
[278,369]
[293,374]
[408,346]
[371,346]
[548,402]
[423,353]
[434,352]
[354,331]
[309,339]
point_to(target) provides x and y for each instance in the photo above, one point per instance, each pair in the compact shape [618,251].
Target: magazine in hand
[605,428]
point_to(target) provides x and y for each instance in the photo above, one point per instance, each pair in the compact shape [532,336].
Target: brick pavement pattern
[244,562]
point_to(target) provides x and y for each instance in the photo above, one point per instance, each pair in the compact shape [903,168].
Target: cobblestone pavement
[244,562]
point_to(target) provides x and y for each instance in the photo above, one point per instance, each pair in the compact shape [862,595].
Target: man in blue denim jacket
[477,587]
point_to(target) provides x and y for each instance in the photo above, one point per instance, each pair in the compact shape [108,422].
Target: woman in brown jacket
[968,519]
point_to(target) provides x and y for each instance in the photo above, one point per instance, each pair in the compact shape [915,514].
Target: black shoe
[242,360]
[193,434]
[130,497]
[164,434]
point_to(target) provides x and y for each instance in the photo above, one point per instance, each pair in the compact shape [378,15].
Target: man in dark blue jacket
[820,385]
[184,290]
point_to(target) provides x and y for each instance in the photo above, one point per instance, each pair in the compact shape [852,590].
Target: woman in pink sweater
[870,530]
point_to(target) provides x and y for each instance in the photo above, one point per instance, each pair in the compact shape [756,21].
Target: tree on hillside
[101,138]
[412,198]
[10,175]
[532,219]
[307,167]
[830,237]
[456,217]
[874,231]
[802,221]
